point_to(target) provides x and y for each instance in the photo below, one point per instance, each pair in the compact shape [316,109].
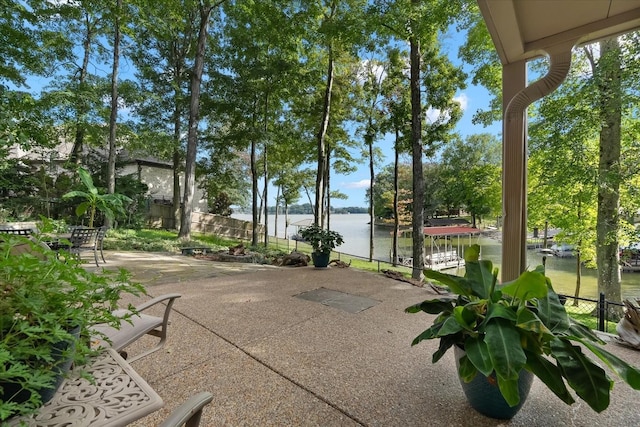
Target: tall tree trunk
[81,106]
[576,294]
[255,211]
[177,162]
[275,222]
[327,190]
[254,194]
[265,138]
[111,162]
[396,218]
[608,219]
[265,200]
[416,144]
[286,222]
[194,118]
[372,216]
[177,128]
[322,134]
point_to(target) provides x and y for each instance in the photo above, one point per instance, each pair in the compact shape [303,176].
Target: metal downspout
[514,175]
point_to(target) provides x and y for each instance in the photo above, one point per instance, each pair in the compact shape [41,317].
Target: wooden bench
[196,250]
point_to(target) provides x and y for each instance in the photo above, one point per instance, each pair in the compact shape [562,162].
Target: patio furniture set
[118,395]
[76,241]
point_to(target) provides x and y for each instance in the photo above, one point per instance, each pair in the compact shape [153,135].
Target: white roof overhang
[525,29]
[522,30]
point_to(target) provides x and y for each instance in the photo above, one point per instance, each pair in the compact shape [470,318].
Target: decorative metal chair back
[17,231]
[84,239]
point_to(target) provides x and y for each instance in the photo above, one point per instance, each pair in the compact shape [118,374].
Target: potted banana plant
[505,333]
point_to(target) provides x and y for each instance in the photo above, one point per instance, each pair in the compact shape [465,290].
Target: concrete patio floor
[271,358]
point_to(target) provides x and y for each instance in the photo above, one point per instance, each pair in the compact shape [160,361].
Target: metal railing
[597,309]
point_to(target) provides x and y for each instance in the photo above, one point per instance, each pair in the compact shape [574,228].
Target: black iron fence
[593,312]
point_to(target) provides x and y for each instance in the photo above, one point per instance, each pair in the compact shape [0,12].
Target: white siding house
[157,174]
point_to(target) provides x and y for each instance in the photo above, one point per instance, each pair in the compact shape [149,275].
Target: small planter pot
[13,392]
[484,394]
[320,259]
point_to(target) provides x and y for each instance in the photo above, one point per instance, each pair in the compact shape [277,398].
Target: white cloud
[363,183]
[73,3]
[368,67]
[463,100]
[434,114]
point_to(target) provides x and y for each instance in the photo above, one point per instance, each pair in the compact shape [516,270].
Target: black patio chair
[84,240]
[102,231]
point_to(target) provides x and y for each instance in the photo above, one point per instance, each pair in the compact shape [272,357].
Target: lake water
[355,230]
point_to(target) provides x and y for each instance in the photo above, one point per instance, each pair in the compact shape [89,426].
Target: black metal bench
[17,231]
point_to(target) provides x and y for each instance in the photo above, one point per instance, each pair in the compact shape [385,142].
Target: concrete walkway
[272,356]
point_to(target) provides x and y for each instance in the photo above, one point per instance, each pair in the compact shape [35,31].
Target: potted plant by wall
[322,241]
[504,332]
[47,306]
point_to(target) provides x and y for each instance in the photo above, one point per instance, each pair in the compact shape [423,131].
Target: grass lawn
[160,240]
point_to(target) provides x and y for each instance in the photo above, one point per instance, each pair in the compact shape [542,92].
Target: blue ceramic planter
[484,394]
[320,259]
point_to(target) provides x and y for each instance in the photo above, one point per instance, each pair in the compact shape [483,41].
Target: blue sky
[472,99]
[356,184]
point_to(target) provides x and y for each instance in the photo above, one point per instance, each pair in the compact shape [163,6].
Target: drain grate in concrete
[340,300]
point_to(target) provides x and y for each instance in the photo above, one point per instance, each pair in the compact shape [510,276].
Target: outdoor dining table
[55,240]
[116,397]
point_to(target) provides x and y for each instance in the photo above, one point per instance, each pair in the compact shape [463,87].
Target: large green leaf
[580,331]
[472,253]
[549,374]
[434,306]
[465,317]
[503,342]
[82,208]
[76,193]
[450,327]
[446,343]
[528,321]
[589,380]
[529,285]
[478,354]
[481,276]
[428,334]
[509,389]
[86,179]
[467,371]
[500,311]
[457,285]
[630,374]
[552,312]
